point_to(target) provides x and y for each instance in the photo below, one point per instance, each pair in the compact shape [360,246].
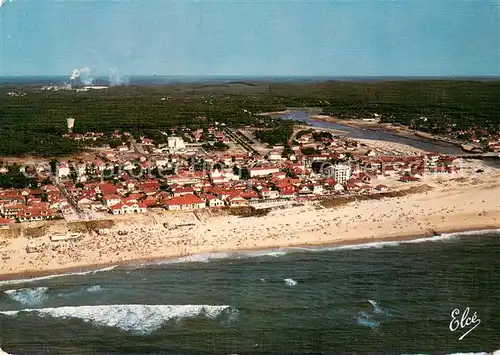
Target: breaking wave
[382,244]
[28,296]
[201,258]
[365,320]
[94,289]
[135,318]
[41,278]
[205,258]
[376,307]
[3,352]
[372,318]
[290,282]
[260,253]
[496,352]
[194,258]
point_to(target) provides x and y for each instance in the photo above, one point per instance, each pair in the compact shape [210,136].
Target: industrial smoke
[83,74]
[116,79]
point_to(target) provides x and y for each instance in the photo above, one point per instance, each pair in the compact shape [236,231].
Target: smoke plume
[83,74]
[116,79]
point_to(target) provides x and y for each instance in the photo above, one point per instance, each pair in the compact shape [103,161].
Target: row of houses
[233,194]
[32,204]
[223,187]
[195,189]
[224,180]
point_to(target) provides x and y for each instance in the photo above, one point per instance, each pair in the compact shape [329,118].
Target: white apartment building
[175,144]
[223,175]
[339,172]
[63,170]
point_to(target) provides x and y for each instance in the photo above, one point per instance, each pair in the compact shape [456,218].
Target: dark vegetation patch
[33,124]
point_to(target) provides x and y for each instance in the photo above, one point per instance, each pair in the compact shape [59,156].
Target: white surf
[136,318]
[28,296]
[41,278]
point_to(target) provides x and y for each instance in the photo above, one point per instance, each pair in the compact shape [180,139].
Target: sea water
[380,298]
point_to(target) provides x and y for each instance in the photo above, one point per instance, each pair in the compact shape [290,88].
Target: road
[82,215]
[243,142]
[137,147]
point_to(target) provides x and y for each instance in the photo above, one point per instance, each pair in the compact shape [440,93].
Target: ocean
[378,298]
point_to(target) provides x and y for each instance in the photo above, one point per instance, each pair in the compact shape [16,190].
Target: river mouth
[380,134]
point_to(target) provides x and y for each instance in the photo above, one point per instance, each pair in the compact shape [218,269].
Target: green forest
[33,124]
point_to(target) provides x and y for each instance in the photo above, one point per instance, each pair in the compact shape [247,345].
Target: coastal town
[181,174]
[249,177]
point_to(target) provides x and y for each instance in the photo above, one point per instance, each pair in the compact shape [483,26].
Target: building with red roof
[249,194]
[236,200]
[182,191]
[129,207]
[30,214]
[286,190]
[11,211]
[148,187]
[150,201]
[111,200]
[5,223]
[212,201]
[185,202]
[107,189]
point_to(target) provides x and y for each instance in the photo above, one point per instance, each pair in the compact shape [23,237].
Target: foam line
[128,317]
[48,277]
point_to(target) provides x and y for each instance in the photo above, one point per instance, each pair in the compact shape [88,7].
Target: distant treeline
[434,106]
[34,123]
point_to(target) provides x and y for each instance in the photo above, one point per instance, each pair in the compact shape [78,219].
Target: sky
[251,37]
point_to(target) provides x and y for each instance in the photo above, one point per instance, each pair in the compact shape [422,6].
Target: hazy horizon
[260,76]
[165,80]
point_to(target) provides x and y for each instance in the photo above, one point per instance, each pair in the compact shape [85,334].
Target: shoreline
[28,275]
[451,203]
[387,128]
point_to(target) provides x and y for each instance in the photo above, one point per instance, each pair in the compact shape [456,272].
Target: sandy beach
[456,202]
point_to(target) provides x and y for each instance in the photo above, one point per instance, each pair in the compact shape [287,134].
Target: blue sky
[229,37]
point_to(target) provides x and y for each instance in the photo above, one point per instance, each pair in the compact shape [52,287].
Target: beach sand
[458,202]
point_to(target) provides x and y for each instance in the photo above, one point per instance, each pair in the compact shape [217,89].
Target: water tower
[71,123]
